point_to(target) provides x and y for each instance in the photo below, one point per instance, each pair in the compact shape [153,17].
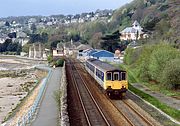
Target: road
[48,111]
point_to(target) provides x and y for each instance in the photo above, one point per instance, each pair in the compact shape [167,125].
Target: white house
[59,51]
[132,33]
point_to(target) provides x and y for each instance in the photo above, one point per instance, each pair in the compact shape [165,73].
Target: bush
[158,63]
[131,55]
[161,54]
[60,63]
[50,59]
[170,76]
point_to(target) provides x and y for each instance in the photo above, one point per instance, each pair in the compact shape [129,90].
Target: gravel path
[163,120]
[172,102]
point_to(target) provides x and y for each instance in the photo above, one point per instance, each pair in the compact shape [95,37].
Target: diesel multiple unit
[111,79]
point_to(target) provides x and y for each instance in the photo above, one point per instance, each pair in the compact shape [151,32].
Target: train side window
[123,76]
[116,75]
[109,76]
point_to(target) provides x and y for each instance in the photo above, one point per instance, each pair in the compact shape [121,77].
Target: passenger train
[111,79]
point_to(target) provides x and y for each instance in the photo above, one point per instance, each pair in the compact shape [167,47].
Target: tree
[35,38]
[25,48]
[33,28]
[110,42]
[12,35]
[7,23]
[44,37]
[170,76]
[95,40]
[6,44]
[54,44]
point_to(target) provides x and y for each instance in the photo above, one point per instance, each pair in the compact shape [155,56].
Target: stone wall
[64,118]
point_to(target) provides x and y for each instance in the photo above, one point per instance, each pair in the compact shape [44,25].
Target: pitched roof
[136,23]
[129,30]
[83,47]
[102,53]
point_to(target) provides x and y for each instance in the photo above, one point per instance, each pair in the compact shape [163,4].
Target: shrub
[50,59]
[60,63]
[161,54]
[170,76]
[131,55]
[143,63]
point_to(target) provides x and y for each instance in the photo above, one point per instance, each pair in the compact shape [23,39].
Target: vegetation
[168,110]
[10,47]
[155,63]
[59,63]
[57,97]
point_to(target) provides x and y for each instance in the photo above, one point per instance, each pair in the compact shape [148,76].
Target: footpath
[172,102]
[48,112]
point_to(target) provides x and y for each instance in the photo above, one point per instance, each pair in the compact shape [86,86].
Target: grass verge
[57,97]
[166,109]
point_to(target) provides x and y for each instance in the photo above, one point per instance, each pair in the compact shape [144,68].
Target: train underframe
[116,93]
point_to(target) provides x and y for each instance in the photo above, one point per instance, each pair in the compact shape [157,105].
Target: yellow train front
[111,79]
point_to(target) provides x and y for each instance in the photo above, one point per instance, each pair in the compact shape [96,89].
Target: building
[59,51]
[132,33]
[37,51]
[103,55]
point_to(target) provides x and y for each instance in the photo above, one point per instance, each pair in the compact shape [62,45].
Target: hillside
[158,17]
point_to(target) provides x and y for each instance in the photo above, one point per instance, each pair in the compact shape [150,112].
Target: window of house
[116,75]
[123,76]
[109,76]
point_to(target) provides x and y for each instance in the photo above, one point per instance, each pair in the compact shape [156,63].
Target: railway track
[132,116]
[139,114]
[91,109]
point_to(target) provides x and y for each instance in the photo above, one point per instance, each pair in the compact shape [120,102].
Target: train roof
[103,65]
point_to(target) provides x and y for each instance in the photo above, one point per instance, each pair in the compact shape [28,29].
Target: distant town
[16,28]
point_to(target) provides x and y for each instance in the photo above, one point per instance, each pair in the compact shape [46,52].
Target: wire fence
[29,115]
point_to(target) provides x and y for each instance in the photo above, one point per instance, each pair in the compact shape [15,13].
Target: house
[118,56]
[132,33]
[83,51]
[59,51]
[70,48]
[83,55]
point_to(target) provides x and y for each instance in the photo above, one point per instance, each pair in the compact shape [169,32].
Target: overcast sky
[50,7]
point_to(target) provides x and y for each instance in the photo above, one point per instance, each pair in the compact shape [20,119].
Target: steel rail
[140,115]
[95,102]
[80,98]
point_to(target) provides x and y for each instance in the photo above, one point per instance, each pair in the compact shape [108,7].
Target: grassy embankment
[140,64]
[168,110]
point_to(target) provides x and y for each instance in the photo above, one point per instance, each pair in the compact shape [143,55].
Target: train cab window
[109,76]
[116,75]
[123,76]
